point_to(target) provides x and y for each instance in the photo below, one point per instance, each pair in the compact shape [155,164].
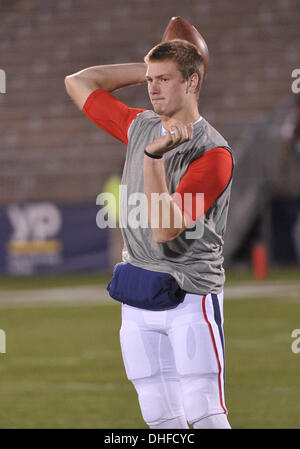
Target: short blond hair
[183,53]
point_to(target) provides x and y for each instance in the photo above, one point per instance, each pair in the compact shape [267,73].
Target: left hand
[176,134]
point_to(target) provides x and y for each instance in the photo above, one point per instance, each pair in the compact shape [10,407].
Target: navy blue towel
[144,289]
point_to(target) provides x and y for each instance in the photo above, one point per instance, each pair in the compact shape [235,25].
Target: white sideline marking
[263,290]
[56,296]
[75,386]
[97,295]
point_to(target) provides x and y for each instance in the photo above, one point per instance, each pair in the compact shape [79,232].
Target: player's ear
[193,82]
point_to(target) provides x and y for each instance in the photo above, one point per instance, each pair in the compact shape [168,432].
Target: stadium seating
[49,151]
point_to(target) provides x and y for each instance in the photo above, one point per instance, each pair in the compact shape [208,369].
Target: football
[179,28]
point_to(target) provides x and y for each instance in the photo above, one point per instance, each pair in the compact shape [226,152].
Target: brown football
[179,28]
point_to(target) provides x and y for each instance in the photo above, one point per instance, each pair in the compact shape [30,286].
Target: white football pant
[175,359]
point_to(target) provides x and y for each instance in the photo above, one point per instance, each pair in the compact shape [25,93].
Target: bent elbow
[69,83]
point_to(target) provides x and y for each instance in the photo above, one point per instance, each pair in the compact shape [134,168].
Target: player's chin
[159,109]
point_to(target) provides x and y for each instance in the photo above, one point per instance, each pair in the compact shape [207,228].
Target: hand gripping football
[179,28]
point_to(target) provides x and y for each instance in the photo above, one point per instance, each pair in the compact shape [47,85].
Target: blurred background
[54,162]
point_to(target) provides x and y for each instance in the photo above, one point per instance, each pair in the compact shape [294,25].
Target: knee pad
[157,406]
[196,405]
[213,422]
[201,397]
[153,408]
[198,397]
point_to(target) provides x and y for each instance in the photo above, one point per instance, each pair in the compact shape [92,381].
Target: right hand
[176,134]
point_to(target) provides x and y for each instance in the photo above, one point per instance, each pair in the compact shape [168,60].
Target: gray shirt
[196,263]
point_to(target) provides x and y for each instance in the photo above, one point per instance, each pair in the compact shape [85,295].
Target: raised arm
[108,77]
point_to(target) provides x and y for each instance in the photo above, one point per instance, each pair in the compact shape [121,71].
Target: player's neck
[185,116]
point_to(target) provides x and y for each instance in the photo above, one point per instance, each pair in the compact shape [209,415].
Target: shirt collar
[163,131]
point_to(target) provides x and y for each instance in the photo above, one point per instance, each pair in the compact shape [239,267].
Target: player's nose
[154,87]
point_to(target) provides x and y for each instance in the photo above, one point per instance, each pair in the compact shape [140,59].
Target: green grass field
[63,367]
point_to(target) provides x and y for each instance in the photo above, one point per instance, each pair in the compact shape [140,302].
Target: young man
[173,353]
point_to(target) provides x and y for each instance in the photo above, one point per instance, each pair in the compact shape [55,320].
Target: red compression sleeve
[209,174]
[110,114]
